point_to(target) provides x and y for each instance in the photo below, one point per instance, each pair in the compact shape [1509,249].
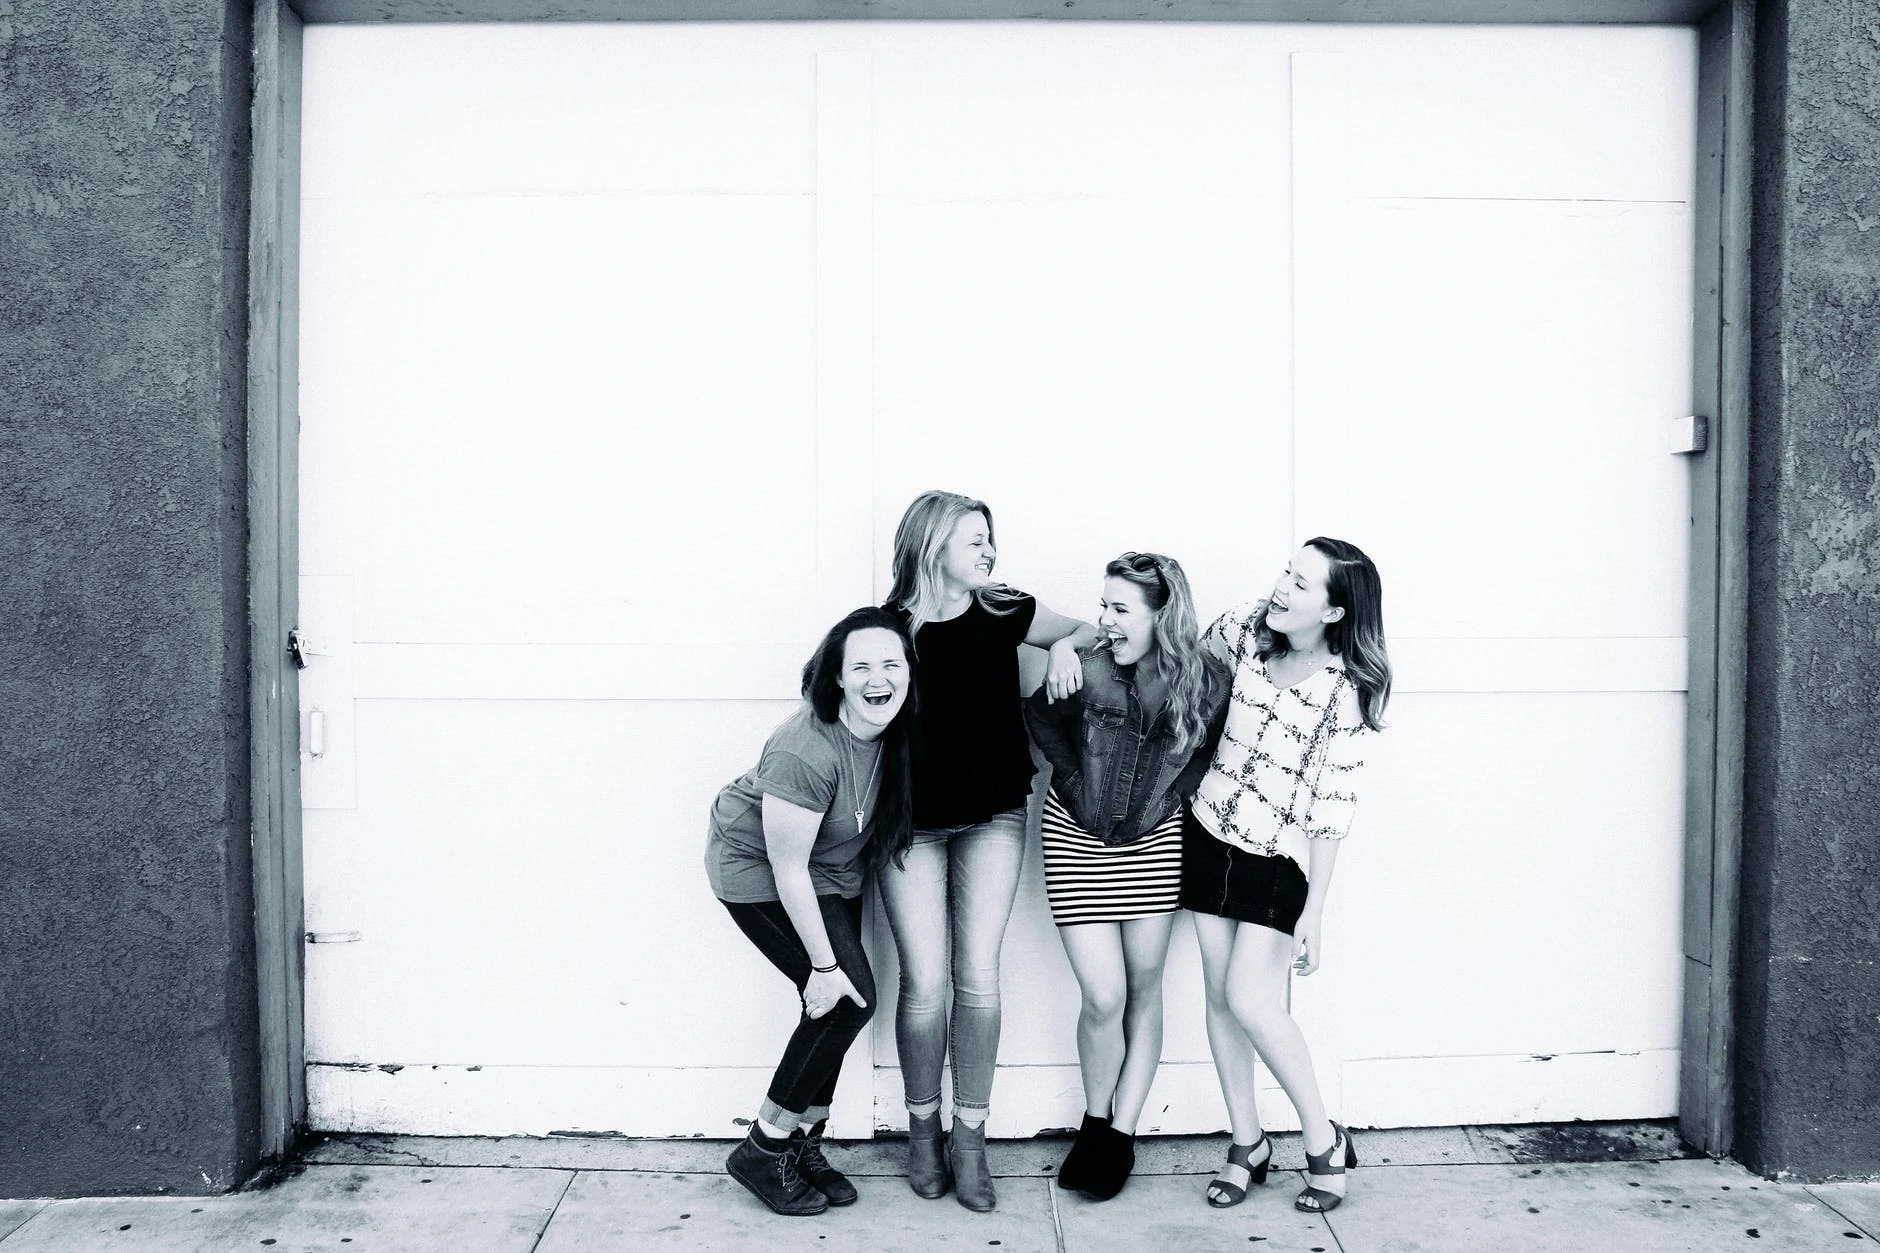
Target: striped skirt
[1087,880]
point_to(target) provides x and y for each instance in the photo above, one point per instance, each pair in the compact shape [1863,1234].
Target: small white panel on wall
[609,411]
[529,881]
[1512,881]
[1485,362]
[1535,113]
[328,742]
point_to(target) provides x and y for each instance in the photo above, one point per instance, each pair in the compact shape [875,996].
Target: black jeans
[805,1081]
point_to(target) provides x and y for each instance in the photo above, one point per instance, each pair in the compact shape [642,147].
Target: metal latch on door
[299,648]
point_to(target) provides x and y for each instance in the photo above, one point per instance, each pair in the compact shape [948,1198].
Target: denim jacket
[1120,778]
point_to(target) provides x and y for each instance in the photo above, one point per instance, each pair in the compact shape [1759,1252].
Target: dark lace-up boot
[767,1167]
[813,1166]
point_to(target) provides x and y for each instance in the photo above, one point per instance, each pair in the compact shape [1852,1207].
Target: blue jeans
[951,900]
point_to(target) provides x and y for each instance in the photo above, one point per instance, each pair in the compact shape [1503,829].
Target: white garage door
[623,347]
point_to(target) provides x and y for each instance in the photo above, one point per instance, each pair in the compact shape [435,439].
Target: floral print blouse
[1289,763]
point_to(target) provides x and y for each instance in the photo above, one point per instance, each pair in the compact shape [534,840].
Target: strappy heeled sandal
[1223,1193]
[1317,1200]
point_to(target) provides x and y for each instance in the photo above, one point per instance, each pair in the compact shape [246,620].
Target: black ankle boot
[768,1168]
[813,1166]
[1111,1159]
[1074,1174]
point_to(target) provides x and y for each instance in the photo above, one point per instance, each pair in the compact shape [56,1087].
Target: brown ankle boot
[972,1178]
[927,1170]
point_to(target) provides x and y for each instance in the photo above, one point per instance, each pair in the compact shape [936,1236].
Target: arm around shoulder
[1066,638]
[1049,627]
[1231,636]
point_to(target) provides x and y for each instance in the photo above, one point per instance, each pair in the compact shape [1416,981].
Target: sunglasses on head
[1143,563]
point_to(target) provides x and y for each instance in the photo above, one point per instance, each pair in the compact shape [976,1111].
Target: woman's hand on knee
[825,988]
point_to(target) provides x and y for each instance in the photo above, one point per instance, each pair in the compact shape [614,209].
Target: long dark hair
[891,826]
[1177,639]
[1351,584]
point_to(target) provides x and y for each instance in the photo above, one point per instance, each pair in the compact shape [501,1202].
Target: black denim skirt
[1228,881]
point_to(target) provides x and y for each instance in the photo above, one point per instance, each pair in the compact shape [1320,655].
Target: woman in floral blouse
[1311,679]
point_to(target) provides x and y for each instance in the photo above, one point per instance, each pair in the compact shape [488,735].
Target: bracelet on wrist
[823,970]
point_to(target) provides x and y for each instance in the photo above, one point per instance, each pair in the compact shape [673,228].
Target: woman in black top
[950,888]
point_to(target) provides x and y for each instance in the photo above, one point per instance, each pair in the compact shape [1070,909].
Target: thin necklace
[855,775]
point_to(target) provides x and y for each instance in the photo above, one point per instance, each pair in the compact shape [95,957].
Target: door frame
[1718,592]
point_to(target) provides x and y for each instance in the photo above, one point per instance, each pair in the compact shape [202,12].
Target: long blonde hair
[1177,640]
[923,532]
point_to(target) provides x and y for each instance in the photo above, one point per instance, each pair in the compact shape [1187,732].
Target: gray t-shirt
[807,762]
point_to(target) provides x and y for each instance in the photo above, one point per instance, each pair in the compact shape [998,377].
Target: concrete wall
[1808,1074]
[127,1020]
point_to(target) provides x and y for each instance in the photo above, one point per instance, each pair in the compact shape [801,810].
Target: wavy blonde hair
[923,532]
[1177,640]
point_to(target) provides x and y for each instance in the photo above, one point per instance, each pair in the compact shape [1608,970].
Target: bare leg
[1228,1041]
[1234,1058]
[1145,952]
[1095,950]
[1256,993]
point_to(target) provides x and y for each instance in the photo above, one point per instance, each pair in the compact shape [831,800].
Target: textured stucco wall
[127,1019]
[1808,1074]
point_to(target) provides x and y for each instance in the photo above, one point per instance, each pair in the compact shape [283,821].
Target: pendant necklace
[855,776]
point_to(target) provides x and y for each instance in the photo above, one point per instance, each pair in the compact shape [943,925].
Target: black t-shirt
[971,756]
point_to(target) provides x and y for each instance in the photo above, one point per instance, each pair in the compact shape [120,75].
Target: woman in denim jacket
[1125,752]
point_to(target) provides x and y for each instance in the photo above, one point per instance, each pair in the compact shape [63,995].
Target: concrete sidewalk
[1607,1188]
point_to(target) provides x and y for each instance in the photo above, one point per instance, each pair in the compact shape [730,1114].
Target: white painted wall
[624,346]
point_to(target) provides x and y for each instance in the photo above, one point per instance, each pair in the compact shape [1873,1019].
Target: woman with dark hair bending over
[1124,751]
[784,854]
[949,892]
[1311,679]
